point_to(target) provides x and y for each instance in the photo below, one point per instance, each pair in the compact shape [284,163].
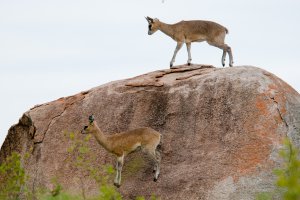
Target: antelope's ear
[91,119]
[149,19]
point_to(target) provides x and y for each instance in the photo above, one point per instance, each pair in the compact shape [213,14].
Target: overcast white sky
[52,49]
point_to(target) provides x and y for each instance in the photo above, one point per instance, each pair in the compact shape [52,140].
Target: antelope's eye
[150,26]
[85,127]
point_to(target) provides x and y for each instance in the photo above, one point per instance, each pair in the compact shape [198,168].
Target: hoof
[155,178]
[117,185]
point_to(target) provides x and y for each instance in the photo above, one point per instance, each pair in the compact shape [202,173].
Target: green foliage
[153,197]
[83,162]
[289,174]
[140,198]
[133,166]
[61,196]
[57,194]
[264,196]
[12,177]
[108,192]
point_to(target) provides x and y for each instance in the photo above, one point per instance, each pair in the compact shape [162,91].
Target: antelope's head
[153,25]
[90,127]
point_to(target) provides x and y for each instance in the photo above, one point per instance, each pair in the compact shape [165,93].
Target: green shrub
[289,175]
[60,196]
[264,196]
[12,177]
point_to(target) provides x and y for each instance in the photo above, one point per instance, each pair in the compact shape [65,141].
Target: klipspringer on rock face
[221,131]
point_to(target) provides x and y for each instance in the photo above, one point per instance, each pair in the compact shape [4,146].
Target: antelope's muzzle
[84,130]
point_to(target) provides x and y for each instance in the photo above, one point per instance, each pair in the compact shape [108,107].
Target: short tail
[159,146]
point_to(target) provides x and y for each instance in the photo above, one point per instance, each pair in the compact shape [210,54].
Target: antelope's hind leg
[230,56]
[155,157]
[223,58]
[157,165]
[226,49]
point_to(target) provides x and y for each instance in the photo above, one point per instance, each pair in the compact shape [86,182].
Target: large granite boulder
[222,129]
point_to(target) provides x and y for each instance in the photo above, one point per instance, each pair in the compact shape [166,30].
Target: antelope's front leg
[178,47]
[119,166]
[188,47]
[117,175]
